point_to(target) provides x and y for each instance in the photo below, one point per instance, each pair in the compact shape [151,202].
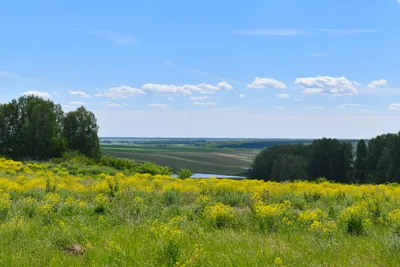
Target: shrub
[219,214]
[184,173]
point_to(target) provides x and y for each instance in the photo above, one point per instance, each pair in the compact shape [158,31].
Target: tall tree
[81,132]
[29,129]
[361,162]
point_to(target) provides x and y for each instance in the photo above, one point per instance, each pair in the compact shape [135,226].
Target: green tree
[330,158]
[361,162]
[184,173]
[80,130]
[30,130]
[288,167]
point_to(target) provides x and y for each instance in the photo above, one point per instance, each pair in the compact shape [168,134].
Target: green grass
[53,218]
[202,160]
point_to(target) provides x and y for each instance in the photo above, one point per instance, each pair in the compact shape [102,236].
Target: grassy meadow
[49,217]
[196,159]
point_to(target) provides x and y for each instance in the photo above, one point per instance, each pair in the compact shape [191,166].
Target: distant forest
[212,143]
[375,162]
[32,128]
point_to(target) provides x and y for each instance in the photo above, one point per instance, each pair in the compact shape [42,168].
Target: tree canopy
[327,158]
[38,129]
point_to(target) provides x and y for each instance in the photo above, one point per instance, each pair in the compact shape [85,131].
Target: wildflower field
[49,217]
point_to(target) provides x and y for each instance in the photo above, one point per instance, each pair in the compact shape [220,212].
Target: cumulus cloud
[204,103]
[116,37]
[310,91]
[77,103]
[315,107]
[394,106]
[9,75]
[297,32]
[120,92]
[283,95]
[186,89]
[266,83]
[161,106]
[110,104]
[378,83]
[79,93]
[242,95]
[351,105]
[37,93]
[195,98]
[171,99]
[67,107]
[325,84]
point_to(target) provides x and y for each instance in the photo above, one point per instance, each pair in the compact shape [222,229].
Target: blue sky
[289,68]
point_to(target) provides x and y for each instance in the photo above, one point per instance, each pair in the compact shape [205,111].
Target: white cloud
[116,37]
[204,103]
[37,93]
[394,106]
[283,95]
[310,91]
[325,84]
[195,98]
[315,107]
[351,105]
[220,109]
[299,100]
[242,95]
[79,93]
[186,89]
[274,32]
[9,75]
[266,83]
[171,99]
[340,107]
[298,32]
[67,107]
[161,106]
[77,103]
[120,92]
[110,104]
[126,105]
[378,83]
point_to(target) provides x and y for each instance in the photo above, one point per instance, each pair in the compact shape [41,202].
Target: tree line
[32,128]
[374,161]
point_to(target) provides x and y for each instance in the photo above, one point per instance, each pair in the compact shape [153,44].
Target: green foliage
[323,158]
[152,168]
[37,129]
[117,163]
[361,162]
[184,173]
[80,131]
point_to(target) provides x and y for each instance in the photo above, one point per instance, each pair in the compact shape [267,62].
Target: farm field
[197,159]
[49,217]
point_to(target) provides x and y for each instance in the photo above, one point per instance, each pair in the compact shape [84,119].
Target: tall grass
[50,217]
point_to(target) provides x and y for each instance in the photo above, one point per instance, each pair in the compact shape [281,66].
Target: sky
[190,68]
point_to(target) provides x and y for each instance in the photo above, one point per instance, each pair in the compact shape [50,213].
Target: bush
[219,214]
[184,173]
[153,169]
[117,163]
